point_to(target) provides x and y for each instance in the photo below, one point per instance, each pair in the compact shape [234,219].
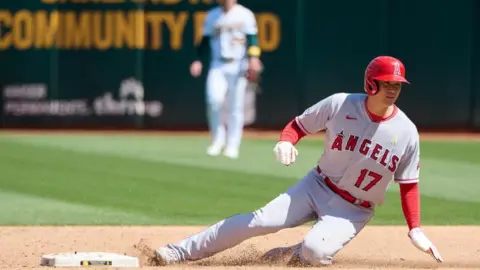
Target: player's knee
[316,254]
[214,105]
[237,109]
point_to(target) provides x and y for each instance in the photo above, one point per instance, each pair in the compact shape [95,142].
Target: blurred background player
[230,30]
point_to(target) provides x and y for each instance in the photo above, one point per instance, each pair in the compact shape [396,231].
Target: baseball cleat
[149,254]
[281,253]
[155,257]
[165,256]
[231,153]
[214,150]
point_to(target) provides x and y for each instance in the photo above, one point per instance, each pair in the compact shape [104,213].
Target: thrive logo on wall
[32,99]
[130,101]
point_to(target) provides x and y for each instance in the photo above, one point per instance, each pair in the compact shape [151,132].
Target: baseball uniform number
[376,178]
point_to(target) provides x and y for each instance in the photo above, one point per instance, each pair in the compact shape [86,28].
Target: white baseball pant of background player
[361,158]
[227,32]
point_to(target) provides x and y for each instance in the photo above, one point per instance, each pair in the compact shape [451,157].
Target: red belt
[343,193]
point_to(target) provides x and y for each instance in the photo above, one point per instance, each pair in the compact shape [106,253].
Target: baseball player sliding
[369,142]
[230,30]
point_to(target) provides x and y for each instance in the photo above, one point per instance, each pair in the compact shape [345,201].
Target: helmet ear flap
[371,86]
[377,87]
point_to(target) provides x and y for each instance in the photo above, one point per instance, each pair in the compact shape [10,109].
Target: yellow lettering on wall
[139,38]
[171,2]
[176,25]
[112,1]
[5,21]
[154,19]
[103,29]
[198,21]
[166,2]
[195,2]
[22,30]
[46,29]
[77,33]
[269,33]
[125,29]
[49,1]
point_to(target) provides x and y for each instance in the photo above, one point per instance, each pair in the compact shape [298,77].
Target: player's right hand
[196,68]
[285,152]
[420,240]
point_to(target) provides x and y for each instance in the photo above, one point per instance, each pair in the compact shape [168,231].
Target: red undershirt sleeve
[292,133]
[410,198]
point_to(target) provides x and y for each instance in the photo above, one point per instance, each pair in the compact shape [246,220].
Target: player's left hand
[254,68]
[420,241]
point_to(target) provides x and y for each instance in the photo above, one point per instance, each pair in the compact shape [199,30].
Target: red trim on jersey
[410,197]
[378,119]
[302,127]
[292,133]
[403,180]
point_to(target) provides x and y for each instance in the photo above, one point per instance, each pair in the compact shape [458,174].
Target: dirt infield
[374,248]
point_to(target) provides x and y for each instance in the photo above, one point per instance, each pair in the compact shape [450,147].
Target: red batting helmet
[383,68]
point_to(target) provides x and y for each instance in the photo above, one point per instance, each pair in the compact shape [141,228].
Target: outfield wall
[124,63]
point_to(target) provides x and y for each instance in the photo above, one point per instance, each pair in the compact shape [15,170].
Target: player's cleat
[214,150]
[279,254]
[155,257]
[166,256]
[148,255]
[231,153]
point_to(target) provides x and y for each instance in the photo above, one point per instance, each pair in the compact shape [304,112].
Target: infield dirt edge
[377,247]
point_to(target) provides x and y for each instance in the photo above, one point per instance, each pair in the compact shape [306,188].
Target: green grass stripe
[23,209]
[160,192]
[183,194]
[448,168]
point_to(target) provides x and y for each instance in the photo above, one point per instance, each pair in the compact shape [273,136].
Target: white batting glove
[420,240]
[285,152]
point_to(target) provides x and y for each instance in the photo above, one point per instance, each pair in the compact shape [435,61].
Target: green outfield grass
[168,180]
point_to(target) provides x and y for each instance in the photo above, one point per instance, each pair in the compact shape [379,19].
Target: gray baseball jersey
[363,156]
